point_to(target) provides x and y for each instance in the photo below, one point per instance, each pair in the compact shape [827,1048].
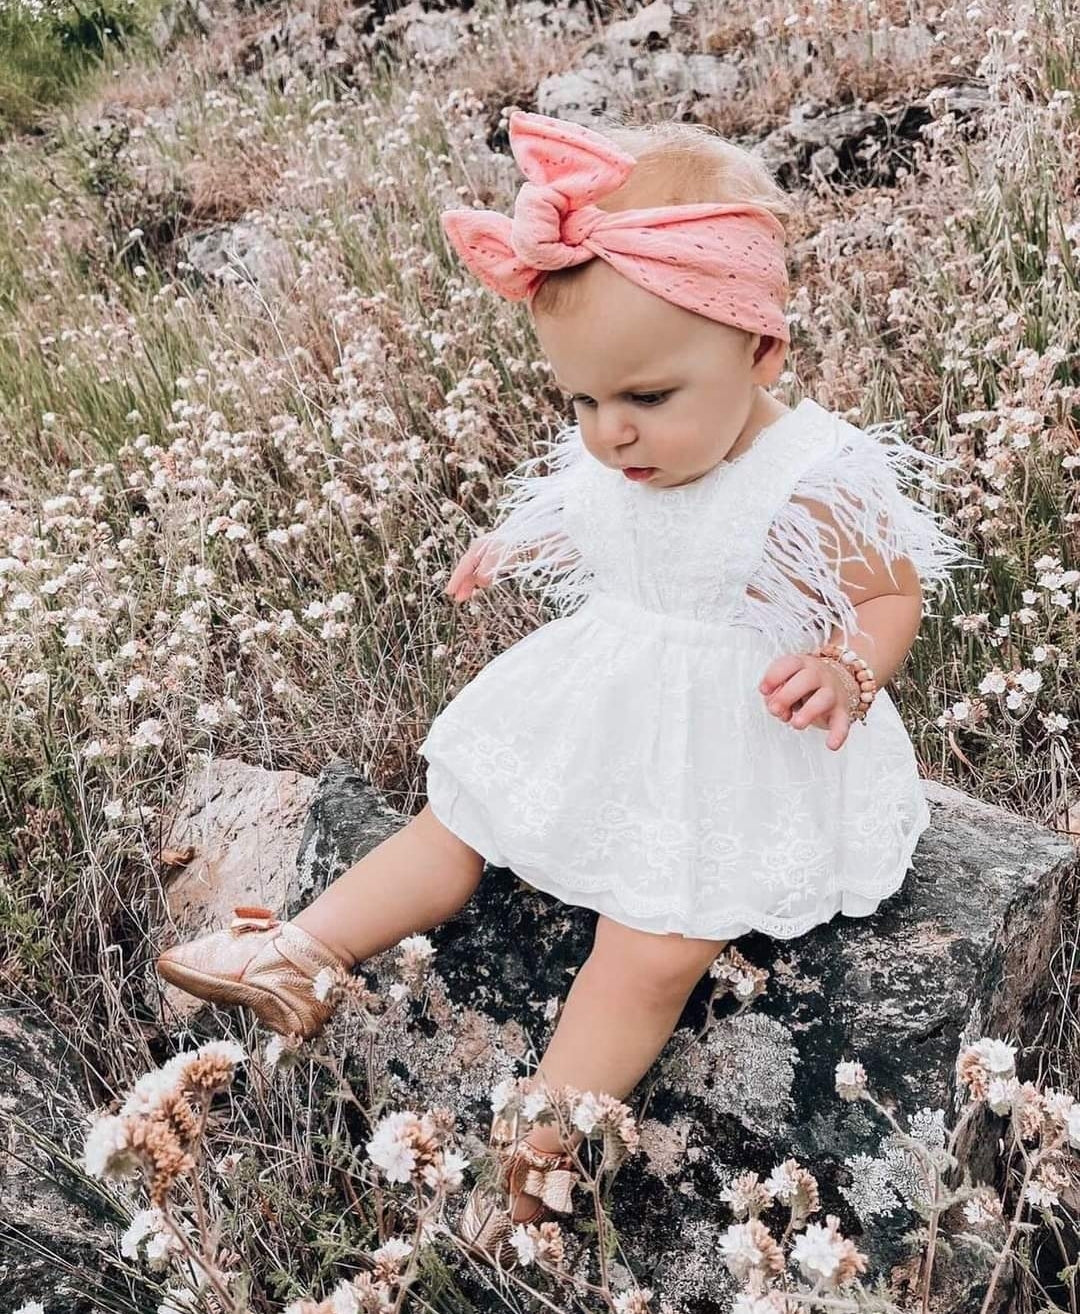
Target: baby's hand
[803,690]
[476,568]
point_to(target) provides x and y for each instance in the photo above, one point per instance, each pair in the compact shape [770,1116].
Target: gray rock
[565,19]
[962,950]
[583,96]
[690,77]
[181,18]
[862,144]
[240,825]
[603,84]
[57,1230]
[908,43]
[346,819]
[653,22]
[959,951]
[431,37]
[244,253]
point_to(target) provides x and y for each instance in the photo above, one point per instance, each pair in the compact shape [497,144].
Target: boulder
[962,950]
[861,145]
[58,1230]
[244,253]
[231,841]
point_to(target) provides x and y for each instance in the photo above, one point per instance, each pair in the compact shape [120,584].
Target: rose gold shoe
[487,1224]
[261,963]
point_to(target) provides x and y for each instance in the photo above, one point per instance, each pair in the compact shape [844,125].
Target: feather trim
[860,482]
[529,536]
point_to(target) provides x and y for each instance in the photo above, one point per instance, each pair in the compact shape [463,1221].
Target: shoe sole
[505,1257]
[269,1008]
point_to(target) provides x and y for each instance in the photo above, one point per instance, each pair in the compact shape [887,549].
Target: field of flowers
[228,507]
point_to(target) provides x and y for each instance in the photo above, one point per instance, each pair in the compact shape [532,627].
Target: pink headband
[724,261]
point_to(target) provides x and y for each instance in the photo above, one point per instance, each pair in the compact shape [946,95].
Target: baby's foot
[260,962]
[532,1166]
[525,1208]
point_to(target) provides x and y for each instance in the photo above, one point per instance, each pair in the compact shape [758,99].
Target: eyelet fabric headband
[723,260]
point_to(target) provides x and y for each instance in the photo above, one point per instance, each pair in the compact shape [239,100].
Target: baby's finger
[778,671]
[839,724]
[815,705]
[803,682]
[488,560]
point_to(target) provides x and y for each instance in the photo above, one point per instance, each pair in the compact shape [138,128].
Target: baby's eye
[646,398]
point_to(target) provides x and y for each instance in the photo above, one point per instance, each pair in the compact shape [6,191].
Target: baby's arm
[528,542]
[888,609]
[888,604]
[484,559]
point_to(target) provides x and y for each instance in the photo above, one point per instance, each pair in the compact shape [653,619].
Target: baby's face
[654,385]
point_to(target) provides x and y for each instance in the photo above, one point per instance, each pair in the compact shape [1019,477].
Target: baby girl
[700,743]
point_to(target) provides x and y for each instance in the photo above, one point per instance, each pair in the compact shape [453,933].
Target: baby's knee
[427,833]
[645,967]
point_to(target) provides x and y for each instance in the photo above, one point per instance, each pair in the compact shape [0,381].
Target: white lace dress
[621,756]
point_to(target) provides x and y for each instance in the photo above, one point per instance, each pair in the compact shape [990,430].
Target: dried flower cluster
[157,1127]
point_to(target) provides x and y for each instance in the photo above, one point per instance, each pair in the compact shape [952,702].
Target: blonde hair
[677,164]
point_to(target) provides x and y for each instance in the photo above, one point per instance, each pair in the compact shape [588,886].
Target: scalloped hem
[454,808]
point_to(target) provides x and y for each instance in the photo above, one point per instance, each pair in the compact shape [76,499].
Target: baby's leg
[621,1010]
[412,881]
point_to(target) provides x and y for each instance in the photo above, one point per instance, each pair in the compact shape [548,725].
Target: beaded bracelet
[857,669]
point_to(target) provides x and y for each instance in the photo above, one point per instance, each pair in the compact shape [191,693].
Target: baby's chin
[668,479]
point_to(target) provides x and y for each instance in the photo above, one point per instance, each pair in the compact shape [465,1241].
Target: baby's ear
[769,361]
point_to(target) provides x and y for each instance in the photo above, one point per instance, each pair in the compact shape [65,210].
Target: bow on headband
[722,260]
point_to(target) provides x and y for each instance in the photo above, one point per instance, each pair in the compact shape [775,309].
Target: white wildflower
[389,1151]
[982,1208]
[208,714]
[1040,1195]
[633,1302]
[344,1299]
[136,688]
[534,1103]
[816,1253]
[587,1113]
[502,1093]
[771,1303]
[524,1244]
[1001,1091]
[850,1080]
[148,734]
[993,683]
[741,1250]
[106,1152]
[446,1173]
[161,1244]
[393,1252]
